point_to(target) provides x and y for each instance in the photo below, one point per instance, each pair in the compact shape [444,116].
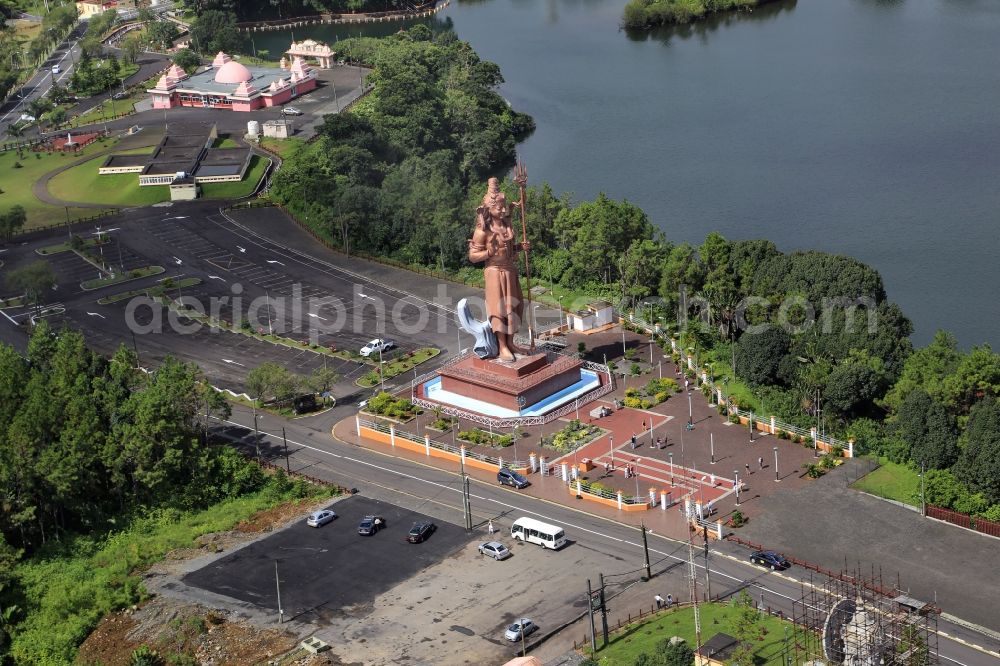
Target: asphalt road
[386,477]
[39,85]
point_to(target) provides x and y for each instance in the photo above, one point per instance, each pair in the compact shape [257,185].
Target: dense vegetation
[89,447]
[392,178]
[253,10]
[17,56]
[647,13]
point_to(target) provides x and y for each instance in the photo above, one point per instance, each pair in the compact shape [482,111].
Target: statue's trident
[521,178]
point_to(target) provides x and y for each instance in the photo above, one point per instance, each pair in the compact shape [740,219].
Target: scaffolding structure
[857,620]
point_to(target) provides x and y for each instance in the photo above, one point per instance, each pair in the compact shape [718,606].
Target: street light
[776,464]
[637,461]
[611,443]
[736,475]
[671,456]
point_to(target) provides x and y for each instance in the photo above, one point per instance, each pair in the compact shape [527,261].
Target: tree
[187,60]
[672,653]
[270,380]
[162,33]
[322,379]
[976,377]
[214,31]
[12,221]
[34,280]
[926,432]
[978,465]
[131,48]
[927,369]
[758,355]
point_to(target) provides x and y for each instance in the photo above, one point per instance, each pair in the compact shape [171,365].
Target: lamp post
[381,370]
[736,475]
[690,423]
[776,478]
[923,506]
[611,443]
[671,456]
[711,445]
[637,461]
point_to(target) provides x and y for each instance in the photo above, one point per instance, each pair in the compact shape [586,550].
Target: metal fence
[992,528]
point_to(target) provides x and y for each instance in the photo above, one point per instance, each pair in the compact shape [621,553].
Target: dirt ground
[172,626]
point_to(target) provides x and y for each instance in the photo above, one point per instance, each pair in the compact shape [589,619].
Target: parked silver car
[494,549]
[522,627]
[320,518]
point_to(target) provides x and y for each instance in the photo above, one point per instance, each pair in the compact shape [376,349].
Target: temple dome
[232,72]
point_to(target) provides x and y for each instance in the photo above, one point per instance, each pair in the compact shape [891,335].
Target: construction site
[858,620]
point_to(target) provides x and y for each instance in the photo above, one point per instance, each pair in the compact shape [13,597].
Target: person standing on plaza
[748,469]
[760,462]
[633,441]
[492,530]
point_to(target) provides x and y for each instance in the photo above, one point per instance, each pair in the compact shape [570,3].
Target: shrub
[646,404]
[783,434]
[633,403]
[813,471]
[737,519]
[827,462]
[661,397]
[18,165]
[631,392]
[837,451]
[733,418]
[630,354]
[635,370]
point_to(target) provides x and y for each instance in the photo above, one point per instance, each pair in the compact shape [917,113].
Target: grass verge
[71,586]
[152,292]
[65,247]
[136,274]
[642,637]
[398,366]
[891,481]
[237,190]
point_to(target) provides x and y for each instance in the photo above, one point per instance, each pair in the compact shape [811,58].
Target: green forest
[247,10]
[97,457]
[648,13]
[810,337]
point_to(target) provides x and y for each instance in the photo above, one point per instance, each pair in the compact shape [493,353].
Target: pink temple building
[232,85]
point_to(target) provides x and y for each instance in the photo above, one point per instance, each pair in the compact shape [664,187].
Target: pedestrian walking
[709,509]
[748,469]
[626,471]
[670,601]
[644,426]
[607,468]
[633,441]
[760,461]
[659,601]
[491,529]
[658,444]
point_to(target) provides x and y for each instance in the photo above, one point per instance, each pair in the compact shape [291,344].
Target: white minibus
[535,531]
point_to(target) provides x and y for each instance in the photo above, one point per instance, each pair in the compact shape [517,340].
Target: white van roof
[537,525]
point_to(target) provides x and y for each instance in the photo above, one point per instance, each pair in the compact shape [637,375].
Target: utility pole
[923,505]
[604,611]
[590,607]
[284,441]
[645,550]
[708,576]
[466,504]
[256,432]
[277,584]
[694,596]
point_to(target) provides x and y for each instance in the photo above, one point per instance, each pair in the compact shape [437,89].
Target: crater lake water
[869,128]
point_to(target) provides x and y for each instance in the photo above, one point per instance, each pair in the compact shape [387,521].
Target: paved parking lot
[329,571]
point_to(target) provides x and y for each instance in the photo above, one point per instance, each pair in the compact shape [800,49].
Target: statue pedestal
[511,385]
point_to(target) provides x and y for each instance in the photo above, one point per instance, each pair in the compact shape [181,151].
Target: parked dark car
[420,531]
[769,558]
[508,477]
[370,525]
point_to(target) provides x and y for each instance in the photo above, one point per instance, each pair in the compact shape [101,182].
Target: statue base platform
[514,384]
[535,388]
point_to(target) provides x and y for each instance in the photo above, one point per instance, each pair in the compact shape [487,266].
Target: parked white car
[377,345]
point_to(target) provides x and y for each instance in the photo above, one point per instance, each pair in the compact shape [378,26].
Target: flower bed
[653,393]
[384,404]
[573,436]
[484,438]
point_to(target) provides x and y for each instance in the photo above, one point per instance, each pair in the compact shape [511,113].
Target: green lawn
[285,148]
[16,183]
[225,141]
[154,292]
[82,183]
[236,190]
[892,481]
[642,637]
